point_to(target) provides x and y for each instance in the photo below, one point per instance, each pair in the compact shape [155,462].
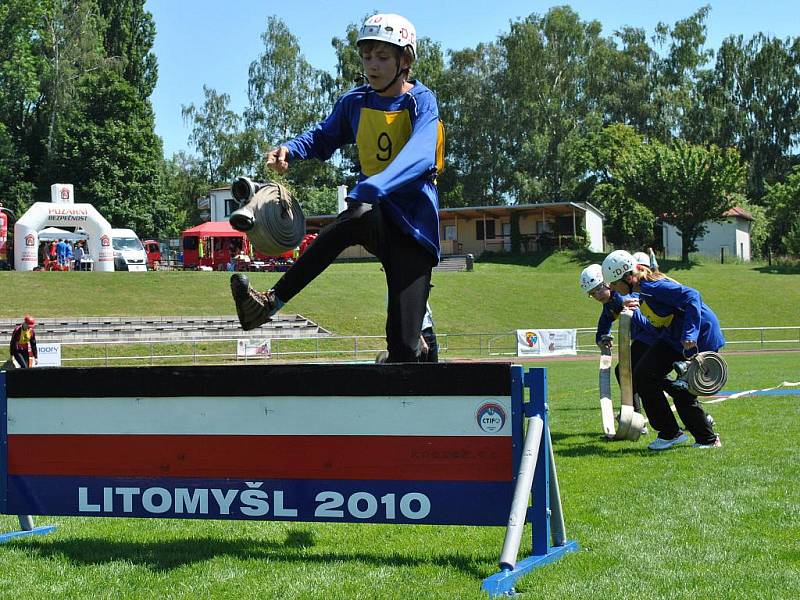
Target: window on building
[487,233]
[230,206]
[450,232]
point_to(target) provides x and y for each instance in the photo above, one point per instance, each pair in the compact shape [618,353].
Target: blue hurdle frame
[542,551]
[25,521]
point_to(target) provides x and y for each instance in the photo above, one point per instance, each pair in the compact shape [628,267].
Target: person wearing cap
[642,333]
[23,343]
[685,325]
[393,209]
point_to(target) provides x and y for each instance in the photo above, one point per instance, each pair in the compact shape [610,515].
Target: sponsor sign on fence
[546,342]
[49,354]
[252,348]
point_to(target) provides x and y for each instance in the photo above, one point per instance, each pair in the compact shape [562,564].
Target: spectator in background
[79,254]
[61,254]
[23,343]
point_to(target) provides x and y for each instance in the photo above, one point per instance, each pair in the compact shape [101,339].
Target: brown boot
[253,308]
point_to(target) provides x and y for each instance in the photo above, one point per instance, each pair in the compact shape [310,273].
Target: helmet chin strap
[361,78]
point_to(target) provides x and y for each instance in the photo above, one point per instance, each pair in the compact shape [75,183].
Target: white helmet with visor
[617,264]
[591,277]
[642,258]
[390,28]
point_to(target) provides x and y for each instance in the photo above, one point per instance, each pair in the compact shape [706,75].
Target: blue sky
[213,42]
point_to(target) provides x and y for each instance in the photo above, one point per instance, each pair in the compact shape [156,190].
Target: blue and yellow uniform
[400,144]
[641,329]
[679,314]
[393,210]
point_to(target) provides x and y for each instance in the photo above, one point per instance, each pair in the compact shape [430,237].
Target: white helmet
[390,28]
[642,258]
[617,264]
[591,277]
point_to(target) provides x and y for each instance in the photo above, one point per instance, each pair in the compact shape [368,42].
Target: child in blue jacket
[393,209]
[685,325]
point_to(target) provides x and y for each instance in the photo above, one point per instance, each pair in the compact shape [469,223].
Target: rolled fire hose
[702,375]
[630,422]
[277,223]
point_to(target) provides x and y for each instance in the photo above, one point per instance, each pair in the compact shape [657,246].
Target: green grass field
[684,523]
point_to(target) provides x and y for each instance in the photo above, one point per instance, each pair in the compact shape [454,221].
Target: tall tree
[128,35]
[751,100]
[21,65]
[114,158]
[684,184]
[544,86]
[676,72]
[217,137]
[471,104]
[783,211]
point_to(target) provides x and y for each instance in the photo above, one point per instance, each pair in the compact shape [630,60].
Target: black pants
[649,375]
[432,355]
[406,263]
[22,358]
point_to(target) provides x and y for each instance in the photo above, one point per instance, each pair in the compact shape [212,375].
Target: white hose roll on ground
[279,220]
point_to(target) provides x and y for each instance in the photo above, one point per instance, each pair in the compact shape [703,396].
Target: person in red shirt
[23,343]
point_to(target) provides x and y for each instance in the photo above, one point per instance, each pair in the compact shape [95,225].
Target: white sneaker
[662,444]
[717,443]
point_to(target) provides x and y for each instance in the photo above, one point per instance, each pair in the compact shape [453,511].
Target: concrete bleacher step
[177,328]
[452,263]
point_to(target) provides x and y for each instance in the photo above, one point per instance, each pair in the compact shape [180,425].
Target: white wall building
[730,238]
[218,205]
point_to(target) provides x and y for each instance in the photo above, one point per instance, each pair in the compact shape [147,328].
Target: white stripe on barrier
[268,415]
[751,392]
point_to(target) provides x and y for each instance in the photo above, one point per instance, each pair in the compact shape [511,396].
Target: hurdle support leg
[26,528]
[546,500]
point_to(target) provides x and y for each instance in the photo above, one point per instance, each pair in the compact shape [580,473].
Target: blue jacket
[641,329]
[398,141]
[679,313]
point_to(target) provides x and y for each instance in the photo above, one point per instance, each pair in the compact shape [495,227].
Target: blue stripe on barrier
[407,502]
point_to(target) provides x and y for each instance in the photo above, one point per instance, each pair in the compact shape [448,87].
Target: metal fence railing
[348,348]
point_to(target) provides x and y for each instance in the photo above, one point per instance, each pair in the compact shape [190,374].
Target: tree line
[650,127]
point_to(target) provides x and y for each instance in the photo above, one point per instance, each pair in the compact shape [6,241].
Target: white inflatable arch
[47,214]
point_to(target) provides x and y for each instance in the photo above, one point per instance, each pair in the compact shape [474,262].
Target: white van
[129,254]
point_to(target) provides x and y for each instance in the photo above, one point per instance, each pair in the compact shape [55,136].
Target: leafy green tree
[128,35]
[476,147]
[543,84]
[782,201]
[114,157]
[751,100]
[184,182]
[676,72]
[628,223]
[216,136]
[684,184]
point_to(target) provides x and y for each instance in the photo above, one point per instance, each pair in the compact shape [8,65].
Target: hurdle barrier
[408,444]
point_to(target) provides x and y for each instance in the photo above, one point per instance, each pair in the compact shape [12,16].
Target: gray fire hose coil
[279,222]
[702,375]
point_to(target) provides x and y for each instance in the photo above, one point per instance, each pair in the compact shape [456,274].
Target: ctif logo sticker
[491,417]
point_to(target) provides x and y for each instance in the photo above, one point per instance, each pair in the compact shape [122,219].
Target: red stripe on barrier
[264,457]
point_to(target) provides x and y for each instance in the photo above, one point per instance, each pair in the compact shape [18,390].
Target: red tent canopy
[213,229]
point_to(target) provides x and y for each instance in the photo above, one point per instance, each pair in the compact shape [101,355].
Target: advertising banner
[49,355]
[546,342]
[253,349]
